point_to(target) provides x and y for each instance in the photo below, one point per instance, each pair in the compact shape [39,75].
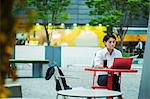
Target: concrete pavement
[39,88]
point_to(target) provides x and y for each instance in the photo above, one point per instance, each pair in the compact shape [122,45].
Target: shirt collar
[107,52]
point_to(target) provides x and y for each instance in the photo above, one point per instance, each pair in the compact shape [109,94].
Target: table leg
[120,97]
[93,82]
[109,97]
[110,81]
[37,70]
[120,80]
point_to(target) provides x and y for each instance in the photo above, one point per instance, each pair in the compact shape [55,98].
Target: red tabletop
[110,76]
[110,70]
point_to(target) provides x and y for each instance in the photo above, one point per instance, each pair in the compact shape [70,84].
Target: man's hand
[98,67]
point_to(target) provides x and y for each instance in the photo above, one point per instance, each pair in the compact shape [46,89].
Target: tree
[9,25]
[52,11]
[117,13]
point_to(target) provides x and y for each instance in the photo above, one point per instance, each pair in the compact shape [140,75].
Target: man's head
[139,39]
[109,41]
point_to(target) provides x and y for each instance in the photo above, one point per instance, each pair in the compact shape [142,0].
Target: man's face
[110,44]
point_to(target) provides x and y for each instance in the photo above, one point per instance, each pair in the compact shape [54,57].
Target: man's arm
[98,63]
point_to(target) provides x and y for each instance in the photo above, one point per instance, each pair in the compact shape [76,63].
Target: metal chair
[60,79]
[94,86]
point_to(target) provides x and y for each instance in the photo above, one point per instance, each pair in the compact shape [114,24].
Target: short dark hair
[108,36]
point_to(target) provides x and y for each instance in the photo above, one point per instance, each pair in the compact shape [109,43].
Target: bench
[15,90]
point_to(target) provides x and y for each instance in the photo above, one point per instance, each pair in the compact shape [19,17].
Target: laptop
[122,63]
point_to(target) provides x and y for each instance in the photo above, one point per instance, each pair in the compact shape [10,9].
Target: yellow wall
[69,36]
[134,37]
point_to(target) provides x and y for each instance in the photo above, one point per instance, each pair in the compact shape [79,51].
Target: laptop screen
[122,63]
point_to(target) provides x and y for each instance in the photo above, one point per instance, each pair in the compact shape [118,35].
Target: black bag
[102,81]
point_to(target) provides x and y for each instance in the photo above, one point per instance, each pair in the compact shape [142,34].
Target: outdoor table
[89,93]
[110,75]
[36,68]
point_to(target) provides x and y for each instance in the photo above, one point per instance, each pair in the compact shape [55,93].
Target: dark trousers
[103,79]
[139,51]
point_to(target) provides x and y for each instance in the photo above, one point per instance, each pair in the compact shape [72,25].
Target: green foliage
[124,54]
[50,10]
[62,17]
[117,13]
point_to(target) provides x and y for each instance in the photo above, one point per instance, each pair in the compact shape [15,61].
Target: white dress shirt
[139,45]
[103,54]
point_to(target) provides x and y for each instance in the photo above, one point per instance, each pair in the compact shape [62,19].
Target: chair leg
[64,97]
[57,96]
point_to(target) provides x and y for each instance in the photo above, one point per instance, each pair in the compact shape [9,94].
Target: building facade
[79,14]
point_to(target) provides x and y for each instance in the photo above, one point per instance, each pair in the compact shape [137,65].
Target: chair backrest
[60,79]
[94,59]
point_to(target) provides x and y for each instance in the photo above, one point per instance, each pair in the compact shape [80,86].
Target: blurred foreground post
[144,91]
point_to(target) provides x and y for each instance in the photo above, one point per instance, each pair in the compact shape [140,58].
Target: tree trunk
[121,44]
[123,33]
[53,20]
[109,30]
[47,35]
[121,30]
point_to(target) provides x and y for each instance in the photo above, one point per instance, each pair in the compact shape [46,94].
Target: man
[107,55]
[139,47]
